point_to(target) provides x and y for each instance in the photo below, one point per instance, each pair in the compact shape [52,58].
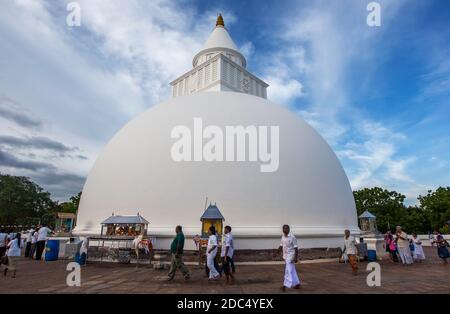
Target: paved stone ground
[430,276]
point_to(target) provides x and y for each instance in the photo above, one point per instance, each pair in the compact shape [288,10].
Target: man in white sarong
[211,251]
[403,246]
[290,255]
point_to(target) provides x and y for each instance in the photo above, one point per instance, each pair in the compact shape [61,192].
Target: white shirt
[14,248]
[212,241]
[350,245]
[34,237]
[30,235]
[3,237]
[289,244]
[227,242]
[403,243]
[43,233]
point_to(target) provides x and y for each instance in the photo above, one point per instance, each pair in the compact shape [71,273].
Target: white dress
[403,249]
[418,250]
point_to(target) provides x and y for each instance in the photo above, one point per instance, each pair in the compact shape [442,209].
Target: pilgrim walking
[28,242]
[351,250]
[289,247]
[403,246]
[34,238]
[418,253]
[40,244]
[227,255]
[176,249]
[211,251]
[441,245]
[391,247]
[13,253]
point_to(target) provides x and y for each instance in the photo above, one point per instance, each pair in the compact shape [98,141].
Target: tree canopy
[23,202]
[389,207]
[436,205]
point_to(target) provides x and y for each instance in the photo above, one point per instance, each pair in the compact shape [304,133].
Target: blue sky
[379,96]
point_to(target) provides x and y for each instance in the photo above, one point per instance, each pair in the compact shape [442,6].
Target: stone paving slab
[430,276]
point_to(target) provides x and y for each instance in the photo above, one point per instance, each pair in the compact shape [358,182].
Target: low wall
[310,248]
[112,255]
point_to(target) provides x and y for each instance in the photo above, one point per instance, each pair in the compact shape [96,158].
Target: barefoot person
[34,238]
[28,242]
[176,248]
[351,250]
[403,246]
[418,254]
[13,253]
[392,246]
[43,233]
[290,255]
[442,244]
[227,255]
[211,251]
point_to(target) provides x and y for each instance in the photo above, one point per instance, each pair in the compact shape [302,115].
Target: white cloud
[328,47]
[247,49]
[83,83]
[80,85]
[373,155]
[284,91]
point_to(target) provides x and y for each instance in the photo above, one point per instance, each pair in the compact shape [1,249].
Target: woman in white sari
[418,253]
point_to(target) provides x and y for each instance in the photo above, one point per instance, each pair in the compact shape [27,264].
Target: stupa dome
[220,138]
[136,172]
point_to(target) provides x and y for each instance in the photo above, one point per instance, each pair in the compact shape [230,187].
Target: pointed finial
[220,21]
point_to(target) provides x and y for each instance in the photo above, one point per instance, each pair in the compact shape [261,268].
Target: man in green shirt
[176,249]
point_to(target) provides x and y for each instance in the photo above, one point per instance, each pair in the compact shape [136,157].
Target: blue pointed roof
[212,212]
[367,214]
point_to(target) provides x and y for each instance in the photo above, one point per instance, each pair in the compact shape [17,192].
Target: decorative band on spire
[220,21]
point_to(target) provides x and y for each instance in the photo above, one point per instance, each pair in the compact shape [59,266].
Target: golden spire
[220,21]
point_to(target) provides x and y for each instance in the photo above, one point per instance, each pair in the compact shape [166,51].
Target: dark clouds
[10,110]
[10,161]
[61,184]
[33,155]
[37,142]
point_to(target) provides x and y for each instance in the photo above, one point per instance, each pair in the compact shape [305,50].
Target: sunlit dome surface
[136,172]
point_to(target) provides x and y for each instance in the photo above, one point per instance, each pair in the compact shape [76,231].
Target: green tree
[436,206]
[22,201]
[415,220]
[72,205]
[386,205]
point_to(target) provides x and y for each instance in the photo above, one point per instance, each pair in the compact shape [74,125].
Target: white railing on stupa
[219,73]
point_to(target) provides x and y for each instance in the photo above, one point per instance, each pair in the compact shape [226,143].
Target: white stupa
[145,168]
